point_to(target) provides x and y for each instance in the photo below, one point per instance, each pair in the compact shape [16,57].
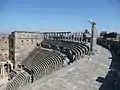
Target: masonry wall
[23,43]
[4,47]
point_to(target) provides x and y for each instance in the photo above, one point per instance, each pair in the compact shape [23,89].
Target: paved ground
[81,75]
[3,82]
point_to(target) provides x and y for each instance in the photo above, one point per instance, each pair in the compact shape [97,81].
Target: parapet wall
[109,44]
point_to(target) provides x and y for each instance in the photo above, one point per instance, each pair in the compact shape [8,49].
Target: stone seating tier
[43,62]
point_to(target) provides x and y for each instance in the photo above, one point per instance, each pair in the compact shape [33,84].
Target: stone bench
[18,81]
[54,59]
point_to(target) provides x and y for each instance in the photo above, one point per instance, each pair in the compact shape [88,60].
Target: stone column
[49,35]
[69,36]
[87,40]
[56,35]
[53,35]
[81,37]
[11,65]
[93,39]
[59,36]
[8,68]
[62,36]
[73,37]
[65,36]
[2,69]
[44,35]
[78,36]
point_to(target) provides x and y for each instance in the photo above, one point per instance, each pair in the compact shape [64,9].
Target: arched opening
[9,67]
[19,66]
[5,43]
[37,44]
[6,68]
[6,56]
[21,42]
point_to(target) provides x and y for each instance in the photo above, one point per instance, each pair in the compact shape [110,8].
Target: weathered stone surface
[23,43]
[4,47]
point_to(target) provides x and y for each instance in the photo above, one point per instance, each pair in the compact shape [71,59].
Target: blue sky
[58,15]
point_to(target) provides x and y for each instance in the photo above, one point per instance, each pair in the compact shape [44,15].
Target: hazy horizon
[58,15]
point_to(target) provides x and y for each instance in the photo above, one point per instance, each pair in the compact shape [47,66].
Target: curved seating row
[71,49]
[31,55]
[54,59]
[23,78]
[40,52]
[41,65]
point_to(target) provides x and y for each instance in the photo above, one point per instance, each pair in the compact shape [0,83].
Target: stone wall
[4,47]
[110,44]
[23,43]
